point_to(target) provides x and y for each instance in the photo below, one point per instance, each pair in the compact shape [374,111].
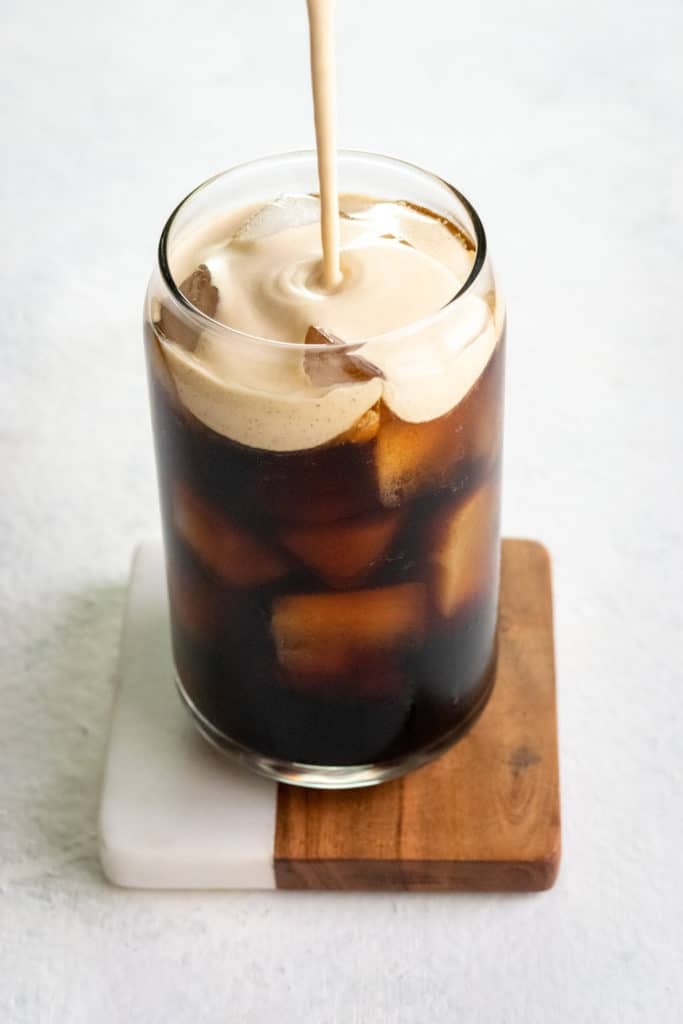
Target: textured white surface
[563,123]
[174,813]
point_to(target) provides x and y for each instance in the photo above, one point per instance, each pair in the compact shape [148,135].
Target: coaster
[485,816]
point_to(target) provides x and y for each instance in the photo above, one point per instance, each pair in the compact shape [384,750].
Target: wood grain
[486,815]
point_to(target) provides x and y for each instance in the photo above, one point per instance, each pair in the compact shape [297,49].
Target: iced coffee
[329,463]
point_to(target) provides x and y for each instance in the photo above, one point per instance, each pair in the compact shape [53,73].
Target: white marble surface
[174,813]
[563,123]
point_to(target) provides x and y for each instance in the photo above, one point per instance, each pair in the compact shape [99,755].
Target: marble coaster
[175,814]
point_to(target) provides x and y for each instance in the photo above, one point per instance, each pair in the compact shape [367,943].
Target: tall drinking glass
[333,606]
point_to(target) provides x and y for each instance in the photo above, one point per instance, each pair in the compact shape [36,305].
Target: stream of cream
[323,79]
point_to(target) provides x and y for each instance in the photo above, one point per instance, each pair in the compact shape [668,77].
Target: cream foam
[400,266]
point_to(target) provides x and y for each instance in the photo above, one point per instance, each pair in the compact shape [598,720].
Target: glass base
[319,776]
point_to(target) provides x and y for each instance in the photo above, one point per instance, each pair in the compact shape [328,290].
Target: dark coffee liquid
[311,622]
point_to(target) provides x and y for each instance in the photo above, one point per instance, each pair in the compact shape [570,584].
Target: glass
[334,609]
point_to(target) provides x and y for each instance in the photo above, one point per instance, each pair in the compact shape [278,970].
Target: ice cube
[287,211]
[427,380]
[412,456]
[364,429]
[330,634]
[376,677]
[356,206]
[429,233]
[197,289]
[327,368]
[198,604]
[343,554]
[231,552]
[465,550]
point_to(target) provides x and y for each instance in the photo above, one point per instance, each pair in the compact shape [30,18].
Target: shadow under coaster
[484,817]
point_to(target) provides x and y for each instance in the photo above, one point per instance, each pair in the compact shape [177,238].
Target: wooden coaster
[485,816]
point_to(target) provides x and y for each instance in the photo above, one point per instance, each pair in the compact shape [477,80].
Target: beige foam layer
[266,404]
[259,395]
[268,272]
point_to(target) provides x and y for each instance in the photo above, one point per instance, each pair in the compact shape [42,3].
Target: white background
[562,121]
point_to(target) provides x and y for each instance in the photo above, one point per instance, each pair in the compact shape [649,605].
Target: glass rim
[217,327]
